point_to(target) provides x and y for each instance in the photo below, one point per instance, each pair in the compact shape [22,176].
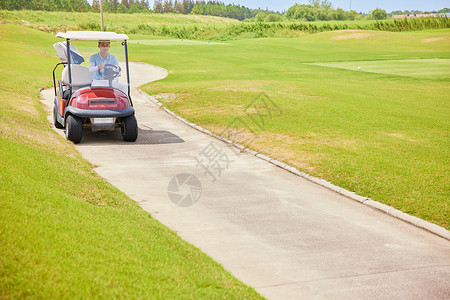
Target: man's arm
[93,68]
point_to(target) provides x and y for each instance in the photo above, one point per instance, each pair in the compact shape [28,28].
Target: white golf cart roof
[92,35]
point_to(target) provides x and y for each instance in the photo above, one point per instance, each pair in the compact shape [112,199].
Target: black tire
[55,120]
[74,129]
[129,129]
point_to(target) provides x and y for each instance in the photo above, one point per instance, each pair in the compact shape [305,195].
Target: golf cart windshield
[94,59]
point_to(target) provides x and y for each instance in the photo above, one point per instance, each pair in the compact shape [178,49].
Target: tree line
[316,10]
[123,6]
[219,9]
[212,8]
[319,10]
[46,5]
[120,6]
[411,12]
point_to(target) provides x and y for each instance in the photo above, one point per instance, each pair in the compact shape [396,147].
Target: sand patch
[165,97]
[8,71]
[400,136]
[432,40]
[347,35]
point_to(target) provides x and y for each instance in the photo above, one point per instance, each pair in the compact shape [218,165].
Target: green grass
[383,134]
[194,27]
[159,42]
[64,231]
[44,18]
[60,21]
[424,68]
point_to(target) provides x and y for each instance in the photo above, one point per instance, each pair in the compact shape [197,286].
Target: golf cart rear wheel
[129,129]
[55,119]
[74,129]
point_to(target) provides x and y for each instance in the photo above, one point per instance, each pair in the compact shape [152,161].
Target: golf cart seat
[80,76]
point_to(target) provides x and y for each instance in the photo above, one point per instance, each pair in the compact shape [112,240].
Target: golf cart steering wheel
[110,72]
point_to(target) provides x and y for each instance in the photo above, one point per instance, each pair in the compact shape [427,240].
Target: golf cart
[80,101]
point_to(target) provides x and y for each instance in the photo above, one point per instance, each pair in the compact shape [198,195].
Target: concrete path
[285,236]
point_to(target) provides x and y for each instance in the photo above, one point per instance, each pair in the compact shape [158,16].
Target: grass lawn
[64,231]
[382,131]
[43,18]
[423,68]
[206,28]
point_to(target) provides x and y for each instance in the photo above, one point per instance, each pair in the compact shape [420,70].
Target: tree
[379,14]
[108,6]
[339,14]
[115,4]
[190,6]
[351,15]
[122,8]
[95,6]
[219,9]
[184,7]
[323,14]
[145,7]
[135,8]
[273,18]
[261,16]
[177,7]
[167,6]
[157,6]
[322,4]
[319,10]
[125,3]
[47,5]
[303,11]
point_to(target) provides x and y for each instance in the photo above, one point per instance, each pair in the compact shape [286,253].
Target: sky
[359,5]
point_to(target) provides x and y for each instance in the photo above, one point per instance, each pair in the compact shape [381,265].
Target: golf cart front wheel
[55,119]
[129,129]
[74,129]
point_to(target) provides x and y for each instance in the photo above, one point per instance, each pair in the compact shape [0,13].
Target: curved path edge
[418,222]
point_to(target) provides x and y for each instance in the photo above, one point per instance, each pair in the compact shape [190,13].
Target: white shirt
[96,60]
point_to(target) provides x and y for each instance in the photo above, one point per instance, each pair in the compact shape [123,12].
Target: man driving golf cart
[98,61]
[91,97]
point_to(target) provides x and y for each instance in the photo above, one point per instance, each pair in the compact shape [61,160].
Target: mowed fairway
[426,68]
[381,131]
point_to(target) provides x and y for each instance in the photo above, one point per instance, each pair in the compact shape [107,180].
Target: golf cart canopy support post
[124,43]
[68,64]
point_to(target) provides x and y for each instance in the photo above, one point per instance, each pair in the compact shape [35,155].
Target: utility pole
[350,5]
[101,13]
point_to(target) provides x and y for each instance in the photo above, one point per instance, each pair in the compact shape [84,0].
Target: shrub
[379,14]
[273,18]
[260,17]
